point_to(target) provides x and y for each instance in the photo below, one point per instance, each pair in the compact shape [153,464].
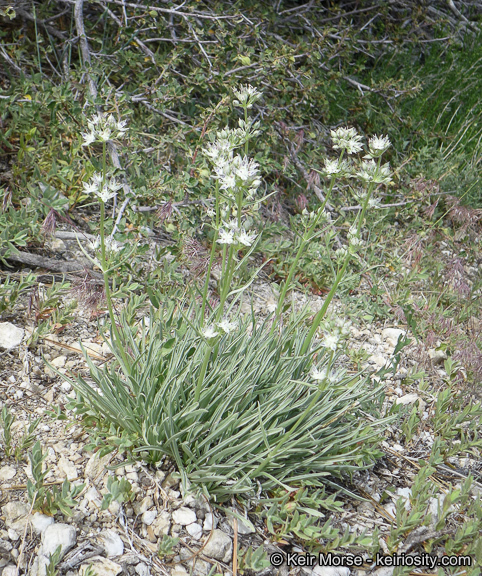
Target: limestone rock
[219,546]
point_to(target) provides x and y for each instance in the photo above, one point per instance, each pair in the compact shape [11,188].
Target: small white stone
[7,473]
[184,516]
[407,399]
[13,535]
[179,570]
[149,516]
[209,521]
[392,334]
[142,569]
[40,522]
[219,546]
[66,387]
[59,362]
[56,535]
[102,566]
[10,570]
[10,336]
[195,530]
[67,468]
[112,543]
[16,514]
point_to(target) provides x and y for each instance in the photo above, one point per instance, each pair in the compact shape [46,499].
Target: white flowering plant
[238,403]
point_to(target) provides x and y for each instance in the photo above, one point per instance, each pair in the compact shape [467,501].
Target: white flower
[88,137]
[330,341]
[105,194]
[226,236]
[346,139]
[335,167]
[103,128]
[91,187]
[232,225]
[371,172]
[226,326]
[353,231]
[246,171]
[112,245]
[113,185]
[318,375]
[209,332]
[244,238]
[104,134]
[340,253]
[378,145]
[94,244]
[373,202]
[246,96]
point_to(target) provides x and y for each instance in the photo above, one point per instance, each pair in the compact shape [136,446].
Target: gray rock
[7,473]
[179,570]
[112,543]
[244,526]
[10,570]
[184,516]
[149,516]
[67,468]
[162,524]
[10,336]
[100,566]
[58,535]
[209,521]
[142,569]
[219,546]
[331,571]
[437,356]
[96,466]
[16,515]
[195,530]
[40,522]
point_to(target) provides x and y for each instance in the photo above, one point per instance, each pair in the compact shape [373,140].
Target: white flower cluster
[322,214]
[346,139]
[335,330]
[104,190]
[339,167]
[230,233]
[246,96]
[371,172]
[224,326]
[354,240]
[322,375]
[238,172]
[378,145]
[102,128]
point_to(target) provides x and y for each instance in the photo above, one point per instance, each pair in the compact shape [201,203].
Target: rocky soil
[131,538]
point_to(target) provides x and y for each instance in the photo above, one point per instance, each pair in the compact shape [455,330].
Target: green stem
[304,241]
[103,263]
[211,257]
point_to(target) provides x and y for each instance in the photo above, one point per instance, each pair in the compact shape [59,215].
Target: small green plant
[26,440]
[166,546]
[256,560]
[89,571]
[11,290]
[49,500]
[54,559]
[119,490]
